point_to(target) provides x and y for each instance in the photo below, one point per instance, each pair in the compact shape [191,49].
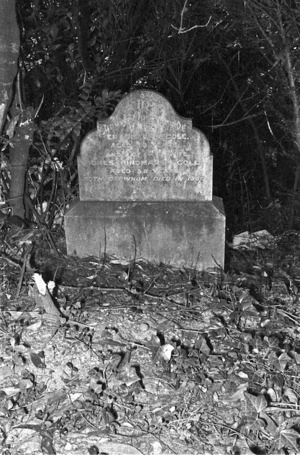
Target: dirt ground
[142,358]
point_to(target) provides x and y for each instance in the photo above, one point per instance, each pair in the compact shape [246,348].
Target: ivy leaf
[290,394]
[283,359]
[203,347]
[288,439]
[271,425]
[47,443]
[240,393]
[259,402]
[38,359]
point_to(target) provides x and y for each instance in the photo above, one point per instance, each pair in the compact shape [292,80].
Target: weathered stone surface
[145,152]
[145,179]
[177,233]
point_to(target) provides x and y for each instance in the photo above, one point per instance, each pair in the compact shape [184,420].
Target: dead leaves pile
[148,359]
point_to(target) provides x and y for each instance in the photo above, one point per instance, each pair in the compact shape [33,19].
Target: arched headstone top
[145,151]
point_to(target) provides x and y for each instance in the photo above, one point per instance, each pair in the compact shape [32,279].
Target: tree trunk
[9,53]
[21,127]
[292,90]
[18,157]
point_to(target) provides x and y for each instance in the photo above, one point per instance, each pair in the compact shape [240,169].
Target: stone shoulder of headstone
[145,152]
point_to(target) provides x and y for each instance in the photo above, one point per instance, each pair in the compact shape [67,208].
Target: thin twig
[182,29]
[23,270]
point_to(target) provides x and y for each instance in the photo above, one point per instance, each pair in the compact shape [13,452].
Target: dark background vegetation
[230,65]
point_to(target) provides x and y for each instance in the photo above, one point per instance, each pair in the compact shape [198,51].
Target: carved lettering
[147,152]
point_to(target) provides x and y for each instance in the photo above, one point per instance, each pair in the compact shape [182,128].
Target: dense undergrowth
[146,357]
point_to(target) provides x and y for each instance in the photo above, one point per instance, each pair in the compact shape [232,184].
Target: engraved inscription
[145,151]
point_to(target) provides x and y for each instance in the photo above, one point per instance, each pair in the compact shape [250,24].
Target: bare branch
[243,119]
[181,28]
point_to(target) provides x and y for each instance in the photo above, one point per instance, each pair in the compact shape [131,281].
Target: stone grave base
[190,234]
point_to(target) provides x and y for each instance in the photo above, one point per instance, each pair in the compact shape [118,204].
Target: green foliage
[53,172]
[68,124]
[221,63]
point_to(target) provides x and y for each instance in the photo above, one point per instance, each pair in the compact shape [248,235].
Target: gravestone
[145,189]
